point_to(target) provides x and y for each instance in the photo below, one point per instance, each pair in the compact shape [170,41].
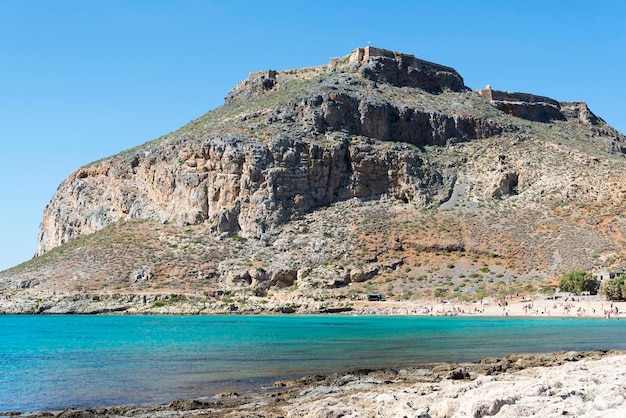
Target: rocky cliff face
[247,181]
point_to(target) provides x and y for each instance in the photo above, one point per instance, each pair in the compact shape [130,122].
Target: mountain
[377,173]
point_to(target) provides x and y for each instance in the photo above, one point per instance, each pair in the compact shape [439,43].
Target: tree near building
[614,289]
[577,281]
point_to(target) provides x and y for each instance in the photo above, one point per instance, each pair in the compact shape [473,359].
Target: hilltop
[376,173]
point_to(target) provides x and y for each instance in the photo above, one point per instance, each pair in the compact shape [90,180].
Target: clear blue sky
[81,80]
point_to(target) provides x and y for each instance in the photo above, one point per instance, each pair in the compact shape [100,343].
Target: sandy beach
[564,306]
[595,306]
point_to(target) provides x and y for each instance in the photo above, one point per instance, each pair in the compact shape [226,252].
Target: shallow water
[52,362]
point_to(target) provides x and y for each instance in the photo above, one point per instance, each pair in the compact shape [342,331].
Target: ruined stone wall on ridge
[505,96]
[524,105]
[360,55]
[398,69]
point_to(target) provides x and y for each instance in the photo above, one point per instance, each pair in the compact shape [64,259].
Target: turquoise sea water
[52,362]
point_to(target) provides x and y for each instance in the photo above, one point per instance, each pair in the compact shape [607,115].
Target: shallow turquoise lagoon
[52,362]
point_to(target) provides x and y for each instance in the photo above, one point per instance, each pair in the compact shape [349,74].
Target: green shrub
[615,289]
[159,304]
[577,281]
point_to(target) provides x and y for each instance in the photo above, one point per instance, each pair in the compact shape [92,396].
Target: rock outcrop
[238,185]
[581,384]
[247,183]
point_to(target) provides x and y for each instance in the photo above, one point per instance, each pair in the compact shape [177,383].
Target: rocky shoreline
[581,384]
[181,304]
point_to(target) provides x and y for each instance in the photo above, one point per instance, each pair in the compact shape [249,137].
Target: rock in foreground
[587,384]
